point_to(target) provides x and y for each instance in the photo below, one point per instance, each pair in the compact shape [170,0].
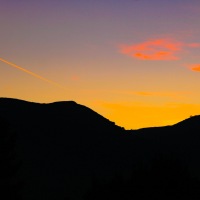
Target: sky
[136,62]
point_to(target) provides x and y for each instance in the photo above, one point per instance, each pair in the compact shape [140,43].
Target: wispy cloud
[194,45]
[145,94]
[157,49]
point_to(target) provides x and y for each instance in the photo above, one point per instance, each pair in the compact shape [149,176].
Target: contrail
[31,73]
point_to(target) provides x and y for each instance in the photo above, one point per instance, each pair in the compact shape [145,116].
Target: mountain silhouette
[63,146]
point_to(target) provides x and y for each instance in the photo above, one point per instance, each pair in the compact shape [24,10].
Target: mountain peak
[64,102]
[63,111]
[192,121]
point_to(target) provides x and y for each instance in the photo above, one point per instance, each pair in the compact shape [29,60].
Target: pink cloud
[157,49]
[75,78]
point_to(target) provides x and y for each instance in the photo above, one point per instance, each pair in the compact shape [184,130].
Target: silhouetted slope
[181,139]
[70,110]
[191,123]
[62,141]
[63,145]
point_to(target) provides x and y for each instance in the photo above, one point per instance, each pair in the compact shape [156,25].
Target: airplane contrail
[31,73]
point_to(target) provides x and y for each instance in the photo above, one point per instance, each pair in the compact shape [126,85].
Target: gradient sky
[136,62]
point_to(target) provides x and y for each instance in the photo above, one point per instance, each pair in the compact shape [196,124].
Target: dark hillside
[64,145]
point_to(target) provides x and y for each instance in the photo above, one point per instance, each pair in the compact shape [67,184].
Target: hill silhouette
[64,146]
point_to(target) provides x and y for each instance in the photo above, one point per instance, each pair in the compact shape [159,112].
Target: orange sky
[135,62]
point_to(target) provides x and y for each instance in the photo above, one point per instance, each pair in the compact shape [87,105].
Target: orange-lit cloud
[31,73]
[195,67]
[157,49]
[154,94]
[158,94]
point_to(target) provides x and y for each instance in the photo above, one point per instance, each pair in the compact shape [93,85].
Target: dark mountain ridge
[65,108]
[63,145]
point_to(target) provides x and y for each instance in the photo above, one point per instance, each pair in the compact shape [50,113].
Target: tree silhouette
[165,178]
[8,165]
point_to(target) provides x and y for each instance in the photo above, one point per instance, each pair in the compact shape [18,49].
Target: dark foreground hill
[64,146]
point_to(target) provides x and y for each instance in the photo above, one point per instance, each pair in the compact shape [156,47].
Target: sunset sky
[136,62]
